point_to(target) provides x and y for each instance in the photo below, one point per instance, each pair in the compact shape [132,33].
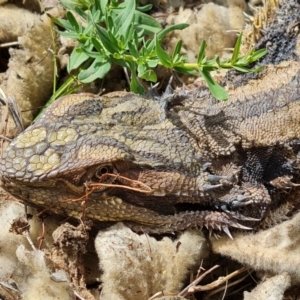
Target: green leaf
[236,50]
[163,56]
[149,75]
[184,70]
[98,69]
[256,70]
[143,21]
[92,54]
[177,49]
[103,5]
[97,45]
[258,54]
[88,31]
[208,68]
[147,23]
[241,69]
[171,28]
[144,29]
[72,4]
[62,23]
[82,38]
[73,21]
[118,60]
[217,91]
[162,33]
[136,87]
[113,40]
[104,37]
[72,35]
[242,61]
[123,20]
[201,52]
[144,8]
[95,17]
[109,23]
[128,34]
[133,50]
[77,57]
[141,69]
[152,63]
[81,13]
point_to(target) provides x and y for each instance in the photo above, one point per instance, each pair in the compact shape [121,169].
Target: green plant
[110,32]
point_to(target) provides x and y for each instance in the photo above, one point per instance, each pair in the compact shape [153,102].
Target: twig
[8,286]
[136,185]
[5,138]
[227,286]
[158,294]
[4,45]
[186,290]
[14,111]
[126,75]
[217,282]
[42,237]
[225,290]
[26,234]
[78,296]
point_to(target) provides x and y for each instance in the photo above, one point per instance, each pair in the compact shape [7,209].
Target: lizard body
[166,164]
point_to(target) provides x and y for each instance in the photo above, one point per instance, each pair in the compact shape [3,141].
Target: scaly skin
[180,161]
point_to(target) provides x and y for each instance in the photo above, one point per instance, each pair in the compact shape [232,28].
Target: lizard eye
[101,170]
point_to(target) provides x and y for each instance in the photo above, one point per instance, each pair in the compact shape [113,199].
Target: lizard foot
[250,199]
[223,221]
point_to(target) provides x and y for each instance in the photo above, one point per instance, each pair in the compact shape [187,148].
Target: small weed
[111,32]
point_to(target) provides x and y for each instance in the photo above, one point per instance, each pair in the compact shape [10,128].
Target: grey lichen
[271,289]
[30,73]
[275,250]
[138,266]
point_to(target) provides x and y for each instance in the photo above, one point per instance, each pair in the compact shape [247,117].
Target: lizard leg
[212,220]
[141,219]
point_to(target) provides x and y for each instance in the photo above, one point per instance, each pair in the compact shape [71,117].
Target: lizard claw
[239,226]
[226,230]
[209,187]
[241,217]
[223,221]
[239,202]
[217,179]
[206,165]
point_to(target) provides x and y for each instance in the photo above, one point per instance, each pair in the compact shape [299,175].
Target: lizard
[164,164]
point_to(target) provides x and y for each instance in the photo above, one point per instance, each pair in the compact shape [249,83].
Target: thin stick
[161,293]
[26,234]
[228,285]
[217,282]
[4,45]
[5,138]
[186,291]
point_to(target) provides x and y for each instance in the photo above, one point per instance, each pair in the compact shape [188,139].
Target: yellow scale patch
[40,164]
[31,138]
[62,136]
[107,153]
